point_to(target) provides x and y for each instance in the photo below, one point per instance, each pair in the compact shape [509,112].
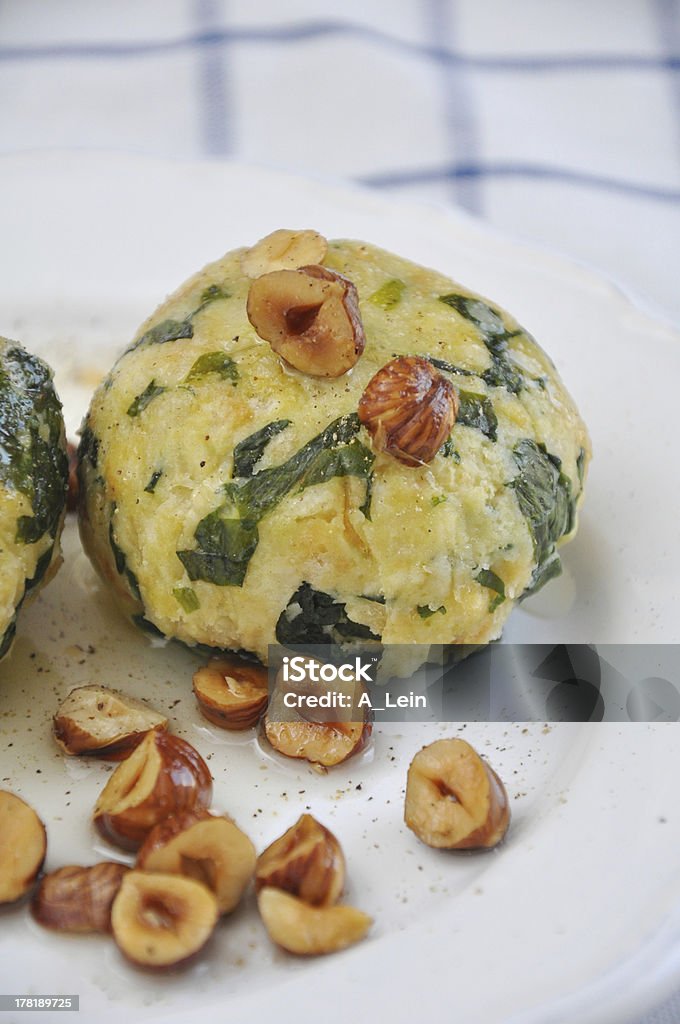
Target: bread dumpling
[237,492]
[33,481]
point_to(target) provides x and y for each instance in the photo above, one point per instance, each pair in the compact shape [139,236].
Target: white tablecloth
[555,120]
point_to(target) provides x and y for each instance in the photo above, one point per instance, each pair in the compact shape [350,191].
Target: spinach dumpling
[242,484]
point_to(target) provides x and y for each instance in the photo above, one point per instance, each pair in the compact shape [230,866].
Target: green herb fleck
[581,466]
[448,450]
[426,612]
[313,617]
[438,499]
[477,411]
[227,538]
[213,362]
[250,450]
[139,404]
[544,495]
[155,477]
[211,294]
[488,578]
[186,596]
[388,295]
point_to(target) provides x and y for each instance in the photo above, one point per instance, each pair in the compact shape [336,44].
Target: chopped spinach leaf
[548,570]
[477,411]
[41,568]
[32,448]
[488,578]
[120,560]
[485,319]
[147,627]
[365,507]
[213,362]
[155,477]
[426,612]
[448,450]
[313,617]
[250,450]
[225,547]
[139,404]
[186,596]
[88,447]
[177,330]
[502,372]
[353,459]
[442,364]
[545,499]
[167,330]
[227,538]
[388,295]
[7,638]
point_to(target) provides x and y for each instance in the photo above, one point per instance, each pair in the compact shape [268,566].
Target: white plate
[578,916]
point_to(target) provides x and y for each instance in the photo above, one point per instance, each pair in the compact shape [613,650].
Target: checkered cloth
[554,120]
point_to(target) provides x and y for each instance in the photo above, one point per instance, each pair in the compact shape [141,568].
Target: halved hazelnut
[231,693]
[199,845]
[310,317]
[23,845]
[283,250]
[327,723]
[162,920]
[306,861]
[454,799]
[324,743]
[409,409]
[76,899]
[162,776]
[309,931]
[97,720]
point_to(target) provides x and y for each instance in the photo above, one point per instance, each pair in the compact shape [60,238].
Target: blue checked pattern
[555,120]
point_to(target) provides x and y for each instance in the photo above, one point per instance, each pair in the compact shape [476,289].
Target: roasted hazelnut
[454,799]
[231,693]
[310,317]
[77,899]
[309,931]
[162,776]
[97,720]
[205,847]
[324,734]
[23,844]
[162,920]
[409,409]
[283,250]
[306,861]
